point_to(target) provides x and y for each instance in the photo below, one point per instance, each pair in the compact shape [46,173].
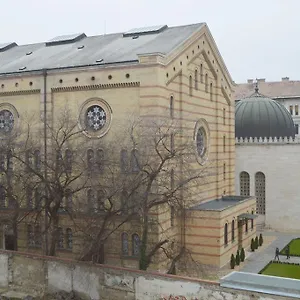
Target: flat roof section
[221,204]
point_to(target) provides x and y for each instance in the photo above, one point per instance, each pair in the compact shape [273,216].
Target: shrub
[232,261]
[261,240]
[252,245]
[256,242]
[237,258]
[242,256]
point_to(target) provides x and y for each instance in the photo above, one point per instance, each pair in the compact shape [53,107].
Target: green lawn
[294,247]
[282,270]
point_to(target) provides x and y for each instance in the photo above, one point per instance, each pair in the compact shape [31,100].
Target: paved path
[257,260]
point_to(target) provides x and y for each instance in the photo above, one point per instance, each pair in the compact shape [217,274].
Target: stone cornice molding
[267,141]
[18,93]
[96,87]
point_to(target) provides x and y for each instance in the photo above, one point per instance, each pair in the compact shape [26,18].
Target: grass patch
[294,247]
[282,270]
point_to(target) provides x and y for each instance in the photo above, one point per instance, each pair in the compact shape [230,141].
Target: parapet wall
[265,140]
[40,275]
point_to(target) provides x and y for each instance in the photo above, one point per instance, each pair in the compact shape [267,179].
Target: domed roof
[259,116]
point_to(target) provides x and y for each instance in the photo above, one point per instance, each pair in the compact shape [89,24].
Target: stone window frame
[16,116]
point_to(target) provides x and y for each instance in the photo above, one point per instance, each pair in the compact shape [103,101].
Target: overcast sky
[257,38]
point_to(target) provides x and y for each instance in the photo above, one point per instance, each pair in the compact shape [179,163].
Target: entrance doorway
[9,238]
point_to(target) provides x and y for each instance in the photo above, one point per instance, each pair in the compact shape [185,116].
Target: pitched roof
[79,50]
[285,88]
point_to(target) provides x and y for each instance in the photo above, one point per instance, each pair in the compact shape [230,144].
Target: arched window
[225,234]
[171,107]
[125,244]
[100,160]
[91,200]
[124,201]
[2,196]
[30,236]
[37,198]
[69,238]
[224,143]
[246,225]
[136,243]
[260,192]
[100,200]
[232,231]
[252,221]
[69,161]
[190,85]
[206,83]
[134,161]
[29,197]
[224,171]
[196,79]
[124,161]
[60,238]
[211,91]
[172,214]
[90,160]
[172,143]
[224,116]
[37,160]
[69,200]
[244,184]
[201,73]
[37,236]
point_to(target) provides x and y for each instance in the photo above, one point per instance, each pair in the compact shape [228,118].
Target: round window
[95,117]
[201,141]
[6,121]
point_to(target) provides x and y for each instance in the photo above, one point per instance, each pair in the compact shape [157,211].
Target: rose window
[95,117]
[6,121]
[201,142]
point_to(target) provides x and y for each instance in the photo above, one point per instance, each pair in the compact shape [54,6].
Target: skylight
[7,46]
[145,30]
[66,39]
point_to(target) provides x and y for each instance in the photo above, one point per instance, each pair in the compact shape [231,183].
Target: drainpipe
[45,158]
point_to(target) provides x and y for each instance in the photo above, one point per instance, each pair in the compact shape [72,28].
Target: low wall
[37,275]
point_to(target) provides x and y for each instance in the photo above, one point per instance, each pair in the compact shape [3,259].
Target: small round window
[6,121]
[201,142]
[95,117]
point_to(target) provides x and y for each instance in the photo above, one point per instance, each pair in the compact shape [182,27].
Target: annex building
[175,74]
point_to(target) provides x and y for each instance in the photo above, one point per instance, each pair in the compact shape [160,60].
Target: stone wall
[38,275]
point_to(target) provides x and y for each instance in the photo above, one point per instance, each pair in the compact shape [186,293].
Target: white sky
[257,39]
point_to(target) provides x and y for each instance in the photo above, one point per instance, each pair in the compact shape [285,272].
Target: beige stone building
[170,73]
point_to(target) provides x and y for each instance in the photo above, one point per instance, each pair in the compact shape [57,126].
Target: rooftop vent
[145,30]
[66,39]
[99,60]
[285,78]
[7,46]
[22,68]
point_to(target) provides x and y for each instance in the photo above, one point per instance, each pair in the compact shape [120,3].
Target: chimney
[261,79]
[285,78]
[250,80]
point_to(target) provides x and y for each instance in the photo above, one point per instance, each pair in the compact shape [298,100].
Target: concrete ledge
[272,285]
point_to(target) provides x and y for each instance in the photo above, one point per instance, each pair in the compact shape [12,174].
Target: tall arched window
[125,245]
[29,197]
[37,236]
[201,73]
[60,238]
[69,200]
[91,200]
[244,184]
[68,158]
[134,161]
[260,192]
[100,160]
[246,225]
[224,116]
[232,231]
[124,161]
[37,198]
[252,221]
[224,171]
[211,91]
[136,243]
[190,85]
[37,159]
[171,107]
[225,234]
[224,143]
[90,160]
[30,236]
[196,79]
[206,83]
[100,200]
[69,238]
[2,196]
[59,160]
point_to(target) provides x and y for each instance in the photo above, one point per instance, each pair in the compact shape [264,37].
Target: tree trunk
[54,236]
[144,260]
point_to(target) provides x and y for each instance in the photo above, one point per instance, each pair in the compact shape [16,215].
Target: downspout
[45,158]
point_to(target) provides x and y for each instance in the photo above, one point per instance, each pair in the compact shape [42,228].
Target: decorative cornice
[96,87]
[267,141]
[17,93]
